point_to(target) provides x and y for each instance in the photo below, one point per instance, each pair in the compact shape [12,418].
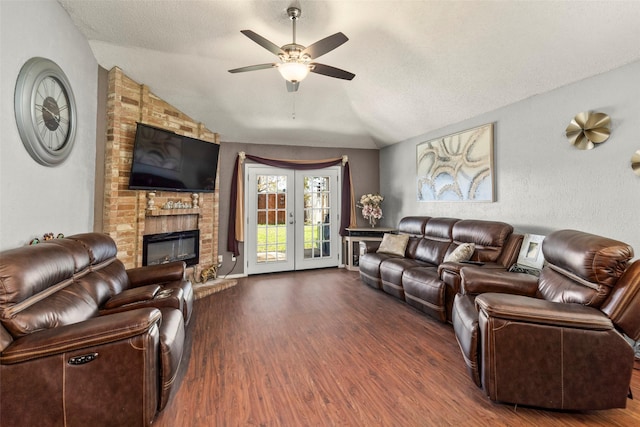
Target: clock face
[52,113]
[45,111]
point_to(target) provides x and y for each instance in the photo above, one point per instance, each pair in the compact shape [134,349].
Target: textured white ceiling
[419,65]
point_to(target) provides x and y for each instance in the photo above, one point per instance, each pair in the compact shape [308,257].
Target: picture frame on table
[531,251]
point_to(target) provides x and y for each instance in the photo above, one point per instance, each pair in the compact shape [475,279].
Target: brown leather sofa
[421,277]
[554,341]
[83,341]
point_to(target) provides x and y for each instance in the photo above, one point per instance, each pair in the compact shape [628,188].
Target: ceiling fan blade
[325,45]
[270,46]
[252,68]
[292,87]
[330,71]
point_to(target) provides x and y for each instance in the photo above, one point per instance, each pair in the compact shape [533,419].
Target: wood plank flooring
[320,348]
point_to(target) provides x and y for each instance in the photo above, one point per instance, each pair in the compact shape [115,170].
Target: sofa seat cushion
[370,268]
[391,274]
[424,290]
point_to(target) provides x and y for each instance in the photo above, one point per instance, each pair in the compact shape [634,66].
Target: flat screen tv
[163,160]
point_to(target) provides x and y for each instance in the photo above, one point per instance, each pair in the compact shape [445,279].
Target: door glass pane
[271,229]
[317,211]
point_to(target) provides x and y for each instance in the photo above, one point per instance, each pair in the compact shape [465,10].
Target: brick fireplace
[125,215]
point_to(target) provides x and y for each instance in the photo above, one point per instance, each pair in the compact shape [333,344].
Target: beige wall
[365,171]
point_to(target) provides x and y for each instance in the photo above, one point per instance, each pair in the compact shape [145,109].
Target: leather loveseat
[554,341]
[83,341]
[420,275]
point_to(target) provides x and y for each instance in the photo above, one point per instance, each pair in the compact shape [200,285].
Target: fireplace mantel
[168,212]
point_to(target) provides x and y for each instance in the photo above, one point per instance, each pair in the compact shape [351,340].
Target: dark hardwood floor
[319,348]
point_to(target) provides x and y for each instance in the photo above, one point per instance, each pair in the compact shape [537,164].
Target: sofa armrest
[5,338]
[510,250]
[92,332]
[368,246]
[132,295]
[455,267]
[152,274]
[477,281]
[542,312]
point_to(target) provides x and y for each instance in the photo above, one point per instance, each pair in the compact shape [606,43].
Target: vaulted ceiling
[419,65]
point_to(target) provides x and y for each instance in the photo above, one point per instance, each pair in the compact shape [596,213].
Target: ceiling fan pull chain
[293,114]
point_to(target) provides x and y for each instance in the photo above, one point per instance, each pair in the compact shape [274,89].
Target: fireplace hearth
[167,247]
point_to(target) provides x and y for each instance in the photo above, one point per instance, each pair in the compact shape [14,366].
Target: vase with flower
[370,205]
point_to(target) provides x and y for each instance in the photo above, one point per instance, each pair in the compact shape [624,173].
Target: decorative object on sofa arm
[587,129]
[45,237]
[394,244]
[370,205]
[464,252]
[635,162]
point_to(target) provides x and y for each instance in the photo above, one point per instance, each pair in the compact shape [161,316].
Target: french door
[292,219]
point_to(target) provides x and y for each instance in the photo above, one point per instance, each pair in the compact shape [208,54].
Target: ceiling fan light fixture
[293,71]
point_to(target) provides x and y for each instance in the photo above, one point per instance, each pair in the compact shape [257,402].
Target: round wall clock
[45,111]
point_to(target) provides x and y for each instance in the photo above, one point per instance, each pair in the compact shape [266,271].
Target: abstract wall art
[457,167]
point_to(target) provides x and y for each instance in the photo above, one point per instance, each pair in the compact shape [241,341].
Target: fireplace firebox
[176,246]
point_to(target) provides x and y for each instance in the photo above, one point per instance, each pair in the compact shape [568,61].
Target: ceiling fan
[296,61]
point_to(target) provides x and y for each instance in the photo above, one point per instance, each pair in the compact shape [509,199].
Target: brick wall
[125,218]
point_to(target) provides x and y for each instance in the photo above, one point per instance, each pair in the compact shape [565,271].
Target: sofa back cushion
[412,247]
[622,304]
[489,237]
[100,247]
[38,288]
[437,238]
[581,267]
[413,225]
[109,275]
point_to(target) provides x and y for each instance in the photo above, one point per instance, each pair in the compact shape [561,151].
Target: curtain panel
[236,203]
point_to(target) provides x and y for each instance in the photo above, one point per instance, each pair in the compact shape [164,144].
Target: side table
[353,238]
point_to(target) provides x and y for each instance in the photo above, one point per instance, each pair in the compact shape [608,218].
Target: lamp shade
[293,71]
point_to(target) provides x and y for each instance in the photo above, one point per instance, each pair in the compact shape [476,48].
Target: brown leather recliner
[83,341]
[554,341]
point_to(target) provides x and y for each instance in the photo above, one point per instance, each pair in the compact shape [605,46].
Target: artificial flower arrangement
[370,205]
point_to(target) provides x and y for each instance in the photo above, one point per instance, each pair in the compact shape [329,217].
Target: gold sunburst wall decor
[635,162]
[588,129]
